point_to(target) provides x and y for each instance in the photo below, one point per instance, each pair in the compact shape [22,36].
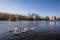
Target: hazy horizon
[24,7]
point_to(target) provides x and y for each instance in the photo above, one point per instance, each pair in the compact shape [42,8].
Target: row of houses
[32,17]
[35,16]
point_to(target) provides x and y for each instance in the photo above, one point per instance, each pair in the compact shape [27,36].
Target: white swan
[25,29]
[16,30]
[32,28]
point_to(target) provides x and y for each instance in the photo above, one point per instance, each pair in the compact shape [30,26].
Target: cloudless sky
[24,7]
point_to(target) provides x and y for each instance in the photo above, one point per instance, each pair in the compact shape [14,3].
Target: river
[41,27]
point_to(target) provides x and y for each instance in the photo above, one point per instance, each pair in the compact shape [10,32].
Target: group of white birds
[17,30]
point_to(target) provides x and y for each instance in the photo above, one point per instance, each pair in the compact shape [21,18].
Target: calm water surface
[41,27]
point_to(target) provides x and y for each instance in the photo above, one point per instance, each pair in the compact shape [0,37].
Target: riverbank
[39,37]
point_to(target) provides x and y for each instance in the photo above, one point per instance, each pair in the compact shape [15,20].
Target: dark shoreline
[39,37]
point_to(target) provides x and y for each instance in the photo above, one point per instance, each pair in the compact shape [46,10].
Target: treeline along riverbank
[15,17]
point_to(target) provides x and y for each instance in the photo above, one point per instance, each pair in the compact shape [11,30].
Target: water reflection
[6,25]
[52,23]
[42,24]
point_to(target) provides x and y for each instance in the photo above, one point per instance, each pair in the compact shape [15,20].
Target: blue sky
[24,7]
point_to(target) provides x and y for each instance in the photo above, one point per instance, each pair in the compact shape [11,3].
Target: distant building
[17,18]
[12,18]
[47,18]
[35,16]
[53,18]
